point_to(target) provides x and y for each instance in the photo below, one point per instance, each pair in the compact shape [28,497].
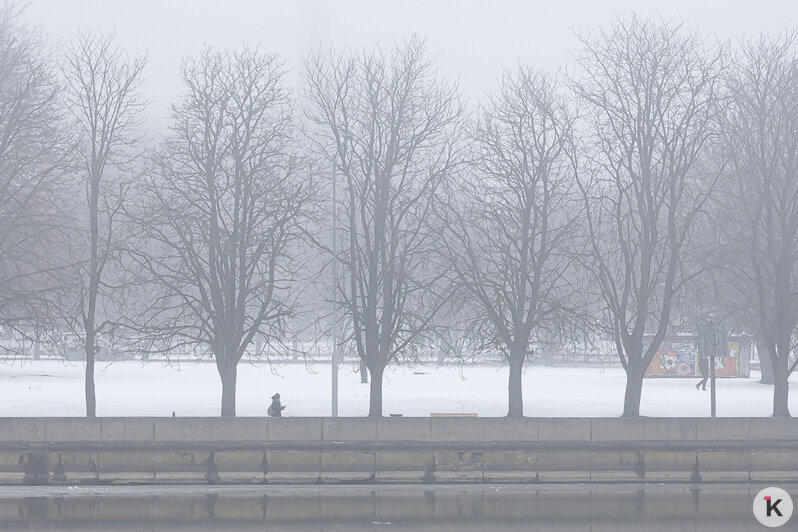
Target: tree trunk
[91,400]
[89,320]
[781,388]
[634,390]
[375,394]
[37,344]
[364,374]
[765,363]
[515,390]
[228,375]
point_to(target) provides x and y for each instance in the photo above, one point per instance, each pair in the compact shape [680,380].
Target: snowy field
[51,388]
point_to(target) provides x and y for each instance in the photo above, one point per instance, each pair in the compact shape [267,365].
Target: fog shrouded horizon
[499,264]
[395,182]
[472,41]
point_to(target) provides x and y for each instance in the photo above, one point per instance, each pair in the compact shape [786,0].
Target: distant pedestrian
[275,409]
[703,366]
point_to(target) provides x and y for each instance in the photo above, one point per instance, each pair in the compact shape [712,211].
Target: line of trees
[652,188]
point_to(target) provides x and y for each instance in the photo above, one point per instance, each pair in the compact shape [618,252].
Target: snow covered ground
[51,388]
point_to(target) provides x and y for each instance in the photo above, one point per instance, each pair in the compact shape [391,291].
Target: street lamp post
[713,404]
[712,342]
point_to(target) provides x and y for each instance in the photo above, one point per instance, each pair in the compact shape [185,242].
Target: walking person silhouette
[703,366]
[275,409]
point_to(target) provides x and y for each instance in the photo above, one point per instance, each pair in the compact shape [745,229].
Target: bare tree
[760,127]
[387,125]
[511,220]
[651,90]
[222,211]
[32,156]
[102,92]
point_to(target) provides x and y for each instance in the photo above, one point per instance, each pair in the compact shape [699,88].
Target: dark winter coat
[703,366]
[275,409]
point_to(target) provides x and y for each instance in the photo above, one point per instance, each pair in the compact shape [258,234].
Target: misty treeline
[651,187]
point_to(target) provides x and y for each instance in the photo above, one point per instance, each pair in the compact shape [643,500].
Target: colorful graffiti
[727,366]
[674,358]
[678,358]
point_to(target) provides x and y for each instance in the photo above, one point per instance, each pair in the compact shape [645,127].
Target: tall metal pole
[334,297]
[712,383]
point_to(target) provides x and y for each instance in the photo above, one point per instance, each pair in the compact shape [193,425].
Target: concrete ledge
[459,461]
[659,461]
[403,461]
[613,461]
[180,462]
[349,428]
[722,429]
[457,429]
[22,429]
[127,429]
[773,428]
[75,462]
[293,461]
[240,461]
[617,429]
[72,429]
[559,476]
[132,462]
[508,461]
[396,449]
[403,429]
[239,428]
[511,429]
[564,461]
[668,428]
[761,460]
[11,463]
[347,462]
[564,429]
[182,429]
[298,428]
[724,461]
[438,429]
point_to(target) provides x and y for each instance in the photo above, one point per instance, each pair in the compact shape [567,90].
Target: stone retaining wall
[362,450]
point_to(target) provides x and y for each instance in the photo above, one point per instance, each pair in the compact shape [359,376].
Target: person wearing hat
[275,409]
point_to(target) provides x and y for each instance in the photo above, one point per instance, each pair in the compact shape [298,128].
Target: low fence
[366,450]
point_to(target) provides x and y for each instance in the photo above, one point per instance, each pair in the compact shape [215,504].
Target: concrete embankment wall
[293,450]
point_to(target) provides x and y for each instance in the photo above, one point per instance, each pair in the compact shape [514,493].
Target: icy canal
[355,508]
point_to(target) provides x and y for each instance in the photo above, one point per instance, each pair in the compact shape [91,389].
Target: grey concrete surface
[423,450]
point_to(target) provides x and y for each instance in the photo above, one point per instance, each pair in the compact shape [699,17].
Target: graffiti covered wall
[674,358]
[678,357]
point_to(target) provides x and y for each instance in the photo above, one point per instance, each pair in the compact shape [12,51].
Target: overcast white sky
[474,40]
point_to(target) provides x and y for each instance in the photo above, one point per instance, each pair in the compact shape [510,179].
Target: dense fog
[358,203]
